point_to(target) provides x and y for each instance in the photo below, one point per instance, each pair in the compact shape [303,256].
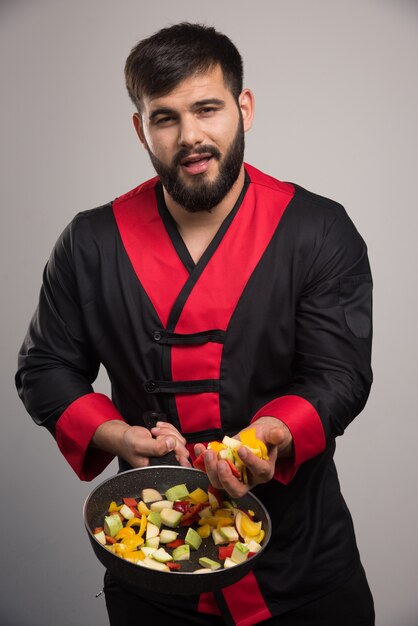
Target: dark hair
[157,64]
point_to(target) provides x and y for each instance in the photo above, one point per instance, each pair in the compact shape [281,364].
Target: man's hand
[136,444]
[279,442]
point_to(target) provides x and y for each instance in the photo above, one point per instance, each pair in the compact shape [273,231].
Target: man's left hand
[278,439]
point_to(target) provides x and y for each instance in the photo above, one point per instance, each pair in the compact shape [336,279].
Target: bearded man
[219,297]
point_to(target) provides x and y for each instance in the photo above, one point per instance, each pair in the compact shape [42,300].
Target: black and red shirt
[274,319]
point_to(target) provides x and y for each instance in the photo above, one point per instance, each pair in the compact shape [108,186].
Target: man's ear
[136,118]
[246,105]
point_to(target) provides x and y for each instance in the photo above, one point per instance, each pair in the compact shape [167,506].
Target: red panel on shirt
[215,296]
[304,423]
[150,250]
[245,601]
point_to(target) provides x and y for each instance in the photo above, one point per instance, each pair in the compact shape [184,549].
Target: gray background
[336,111]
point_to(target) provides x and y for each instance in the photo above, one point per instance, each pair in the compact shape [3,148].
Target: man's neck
[198,229]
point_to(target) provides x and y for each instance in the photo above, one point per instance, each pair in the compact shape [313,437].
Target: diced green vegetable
[239,553]
[212,565]
[112,524]
[170,517]
[178,492]
[193,539]
[182,553]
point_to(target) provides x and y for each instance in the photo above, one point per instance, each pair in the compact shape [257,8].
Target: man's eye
[161,121]
[207,110]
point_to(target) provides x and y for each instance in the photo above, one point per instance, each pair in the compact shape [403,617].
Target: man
[220,297]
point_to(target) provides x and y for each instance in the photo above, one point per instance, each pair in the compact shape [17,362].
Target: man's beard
[200,195]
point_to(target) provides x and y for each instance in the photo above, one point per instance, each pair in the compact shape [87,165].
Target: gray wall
[336,111]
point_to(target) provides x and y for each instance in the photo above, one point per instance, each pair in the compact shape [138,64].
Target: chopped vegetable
[205,514]
[227,450]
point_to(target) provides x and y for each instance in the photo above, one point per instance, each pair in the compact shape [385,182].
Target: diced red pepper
[181,505]
[191,515]
[131,502]
[225,551]
[188,519]
[250,554]
[173,566]
[199,462]
[110,540]
[135,511]
[235,471]
[176,543]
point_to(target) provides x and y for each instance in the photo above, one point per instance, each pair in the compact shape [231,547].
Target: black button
[157,335]
[150,386]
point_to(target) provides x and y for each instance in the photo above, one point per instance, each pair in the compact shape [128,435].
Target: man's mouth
[196,163]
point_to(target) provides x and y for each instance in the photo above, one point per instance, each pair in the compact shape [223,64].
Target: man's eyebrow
[161,111]
[202,103]
[196,105]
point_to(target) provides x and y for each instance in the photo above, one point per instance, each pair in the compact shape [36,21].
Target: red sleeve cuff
[306,428]
[75,429]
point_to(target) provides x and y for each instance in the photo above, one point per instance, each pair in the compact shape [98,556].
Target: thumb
[276,436]
[199,448]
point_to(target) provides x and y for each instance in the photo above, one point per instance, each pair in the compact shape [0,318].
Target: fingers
[220,476]
[168,438]
[165,428]
[184,461]
[139,445]
[260,470]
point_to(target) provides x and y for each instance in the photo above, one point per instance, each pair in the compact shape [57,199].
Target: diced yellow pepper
[135,521]
[142,508]
[224,521]
[223,513]
[124,532]
[143,525]
[250,528]
[263,449]
[113,507]
[135,555]
[199,496]
[132,542]
[216,446]
[204,531]
[249,439]
[257,538]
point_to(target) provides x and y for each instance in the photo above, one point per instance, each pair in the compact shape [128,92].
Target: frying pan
[185,582]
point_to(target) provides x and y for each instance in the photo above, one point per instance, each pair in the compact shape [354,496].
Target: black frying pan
[161,477]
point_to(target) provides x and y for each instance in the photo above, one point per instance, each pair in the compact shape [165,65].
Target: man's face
[195,138]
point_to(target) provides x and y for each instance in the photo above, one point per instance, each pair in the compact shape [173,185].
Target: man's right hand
[136,444]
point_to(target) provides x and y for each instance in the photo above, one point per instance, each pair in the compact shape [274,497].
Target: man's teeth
[196,160]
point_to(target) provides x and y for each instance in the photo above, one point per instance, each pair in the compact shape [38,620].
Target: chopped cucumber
[178,492]
[212,565]
[112,524]
[170,517]
[182,553]
[193,539]
[239,553]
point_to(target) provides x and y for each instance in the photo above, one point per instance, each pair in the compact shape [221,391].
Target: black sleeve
[332,367]
[56,363]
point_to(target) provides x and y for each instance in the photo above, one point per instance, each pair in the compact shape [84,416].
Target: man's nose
[191,132]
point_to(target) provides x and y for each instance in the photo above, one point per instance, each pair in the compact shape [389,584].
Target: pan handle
[150,420]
